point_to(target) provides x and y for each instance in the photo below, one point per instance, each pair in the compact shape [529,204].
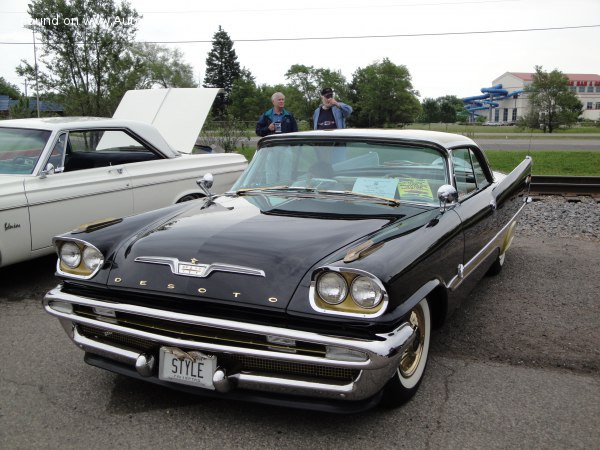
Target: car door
[61,200]
[476,206]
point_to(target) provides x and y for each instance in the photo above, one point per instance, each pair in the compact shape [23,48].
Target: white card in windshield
[380,187]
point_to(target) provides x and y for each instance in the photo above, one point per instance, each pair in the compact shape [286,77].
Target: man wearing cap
[277,119]
[332,113]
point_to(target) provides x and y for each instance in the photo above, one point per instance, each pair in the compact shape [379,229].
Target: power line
[374,36]
[316,8]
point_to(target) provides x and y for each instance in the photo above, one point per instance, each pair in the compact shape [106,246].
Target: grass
[544,162]
[548,162]
[478,129]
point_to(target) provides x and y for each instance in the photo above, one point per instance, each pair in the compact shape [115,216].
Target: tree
[246,101]
[383,95]
[162,67]
[551,100]
[430,111]
[222,69]
[308,82]
[450,106]
[9,89]
[86,53]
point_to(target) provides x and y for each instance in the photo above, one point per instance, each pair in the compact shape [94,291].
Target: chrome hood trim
[193,269]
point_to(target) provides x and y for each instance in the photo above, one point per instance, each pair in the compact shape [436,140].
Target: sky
[449,47]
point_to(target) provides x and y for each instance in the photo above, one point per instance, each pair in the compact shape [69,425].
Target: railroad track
[565,185]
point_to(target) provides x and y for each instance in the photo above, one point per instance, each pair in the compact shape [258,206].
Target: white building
[506,100]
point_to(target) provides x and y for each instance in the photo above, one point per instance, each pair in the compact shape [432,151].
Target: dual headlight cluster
[349,292]
[78,258]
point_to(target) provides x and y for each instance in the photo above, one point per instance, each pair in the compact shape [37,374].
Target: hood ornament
[193,269]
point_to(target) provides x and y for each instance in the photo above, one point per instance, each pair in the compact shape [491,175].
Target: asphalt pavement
[517,366]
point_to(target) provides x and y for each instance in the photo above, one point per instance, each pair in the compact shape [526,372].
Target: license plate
[192,368]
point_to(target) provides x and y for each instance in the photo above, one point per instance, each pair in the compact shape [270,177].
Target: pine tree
[222,69]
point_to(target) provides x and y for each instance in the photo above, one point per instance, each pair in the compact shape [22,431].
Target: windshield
[380,170]
[20,149]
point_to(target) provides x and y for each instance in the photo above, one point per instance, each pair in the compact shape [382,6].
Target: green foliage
[21,110]
[383,95]
[247,101]
[9,89]
[551,100]
[308,81]
[445,109]
[87,61]
[222,69]
[162,67]
[430,111]
[548,162]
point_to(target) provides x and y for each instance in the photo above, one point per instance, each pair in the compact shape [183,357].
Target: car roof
[148,132]
[446,140]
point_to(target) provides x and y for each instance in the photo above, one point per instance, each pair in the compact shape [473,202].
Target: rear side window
[468,171]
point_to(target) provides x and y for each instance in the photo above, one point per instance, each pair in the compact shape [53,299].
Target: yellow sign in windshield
[414,189]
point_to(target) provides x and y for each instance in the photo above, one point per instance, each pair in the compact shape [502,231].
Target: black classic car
[314,282]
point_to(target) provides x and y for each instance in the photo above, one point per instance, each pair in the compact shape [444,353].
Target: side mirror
[48,170]
[205,183]
[447,194]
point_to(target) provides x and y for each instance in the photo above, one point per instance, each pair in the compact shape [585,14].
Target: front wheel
[408,376]
[496,268]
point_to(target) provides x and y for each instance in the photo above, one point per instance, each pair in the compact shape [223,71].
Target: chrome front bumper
[378,360]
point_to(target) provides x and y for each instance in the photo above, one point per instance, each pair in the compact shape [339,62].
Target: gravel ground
[565,217]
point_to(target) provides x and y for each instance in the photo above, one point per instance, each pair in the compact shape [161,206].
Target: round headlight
[70,254]
[92,258]
[332,288]
[365,292]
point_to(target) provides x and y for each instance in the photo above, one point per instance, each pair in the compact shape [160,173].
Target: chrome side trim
[478,259]
[192,269]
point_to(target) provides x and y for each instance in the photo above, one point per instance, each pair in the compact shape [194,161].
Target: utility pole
[37,92]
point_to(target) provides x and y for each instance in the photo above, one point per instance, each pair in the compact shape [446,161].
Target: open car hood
[256,258]
[177,113]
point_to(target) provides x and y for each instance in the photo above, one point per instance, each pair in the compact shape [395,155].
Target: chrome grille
[199,333]
[233,363]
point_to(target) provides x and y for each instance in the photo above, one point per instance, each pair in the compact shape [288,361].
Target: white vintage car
[58,173]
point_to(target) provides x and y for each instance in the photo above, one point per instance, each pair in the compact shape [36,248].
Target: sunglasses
[328,95]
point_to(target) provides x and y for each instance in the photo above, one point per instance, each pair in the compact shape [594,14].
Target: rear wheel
[408,376]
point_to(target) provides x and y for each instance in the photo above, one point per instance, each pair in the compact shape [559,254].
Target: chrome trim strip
[24,205]
[190,269]
[112,351]
[312,293]
[251,381]
[379,352]
[478,259]
[74,197]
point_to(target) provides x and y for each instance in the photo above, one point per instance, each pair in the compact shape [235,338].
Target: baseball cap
[327,91]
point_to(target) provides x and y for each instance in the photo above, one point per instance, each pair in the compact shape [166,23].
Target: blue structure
[488,100]
[6,103]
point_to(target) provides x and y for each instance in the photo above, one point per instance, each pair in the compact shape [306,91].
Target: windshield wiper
[375,198]
[274,189]
[306,190]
